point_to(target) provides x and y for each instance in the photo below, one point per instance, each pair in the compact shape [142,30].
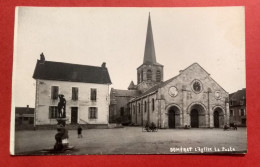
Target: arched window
[138,77]
[142,76]
[152,104]
[134,109]
[145,106]
[139,108]
[158,76]
[149,75]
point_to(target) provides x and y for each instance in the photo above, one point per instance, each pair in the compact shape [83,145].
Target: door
[216,119]
[194,121]
[74,115]
[171,119]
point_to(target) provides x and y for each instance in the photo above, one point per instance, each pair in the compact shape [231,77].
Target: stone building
[118,110]
[85,88]
[192,98]
[237,106]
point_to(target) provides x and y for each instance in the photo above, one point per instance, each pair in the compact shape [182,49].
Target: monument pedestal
[62,136]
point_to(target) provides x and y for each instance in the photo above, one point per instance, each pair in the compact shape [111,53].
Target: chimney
[103,65]
[42,58]
[27,108]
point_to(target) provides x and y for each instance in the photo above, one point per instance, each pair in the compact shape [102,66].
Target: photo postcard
[128,81]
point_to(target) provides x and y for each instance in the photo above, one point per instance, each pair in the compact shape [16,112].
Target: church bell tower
[150,72]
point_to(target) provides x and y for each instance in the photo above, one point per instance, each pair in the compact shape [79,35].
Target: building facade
[87,96]
[190,99]
[237,106]
[118,110]
[24,117]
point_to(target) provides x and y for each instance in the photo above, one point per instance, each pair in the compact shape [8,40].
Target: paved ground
[131,140]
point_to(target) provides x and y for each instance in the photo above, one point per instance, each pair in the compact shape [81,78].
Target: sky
[214,37]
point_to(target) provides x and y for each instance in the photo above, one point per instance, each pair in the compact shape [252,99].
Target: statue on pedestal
[62,142]
[62,107]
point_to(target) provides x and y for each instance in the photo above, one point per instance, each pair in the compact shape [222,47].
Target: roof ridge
[73,64]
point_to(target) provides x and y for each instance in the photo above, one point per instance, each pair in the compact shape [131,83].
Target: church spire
[149,53]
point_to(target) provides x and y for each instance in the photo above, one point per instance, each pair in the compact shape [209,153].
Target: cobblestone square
[131,140]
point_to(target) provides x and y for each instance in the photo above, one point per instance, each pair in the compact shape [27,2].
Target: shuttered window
[54,92]
[92,113]
[93,95]
[75,91]
[158,76]
[53,112]
[149,75]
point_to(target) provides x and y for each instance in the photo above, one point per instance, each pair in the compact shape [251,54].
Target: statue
[62,135]
[62,107]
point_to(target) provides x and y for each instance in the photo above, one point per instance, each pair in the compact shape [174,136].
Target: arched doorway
[173,117]
[197,115]
[194,120]
[218,117]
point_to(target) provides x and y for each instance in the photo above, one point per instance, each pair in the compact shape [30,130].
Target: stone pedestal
[62,136]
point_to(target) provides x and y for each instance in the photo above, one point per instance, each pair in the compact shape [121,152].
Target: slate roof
[129,93]
[59,71]
[24,110]
[122,93]
[132,86]
[149,52]
[237,96]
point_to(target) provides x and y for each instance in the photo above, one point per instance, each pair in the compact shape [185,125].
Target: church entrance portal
[194,122]
[197,115]
[218,118]
[173,117]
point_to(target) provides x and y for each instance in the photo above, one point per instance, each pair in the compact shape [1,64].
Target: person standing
[79,132]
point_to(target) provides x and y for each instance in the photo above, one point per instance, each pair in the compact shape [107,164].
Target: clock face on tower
[196,86]
[173,91]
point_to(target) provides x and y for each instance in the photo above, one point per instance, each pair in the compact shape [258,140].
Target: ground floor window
[31,120]
[231,112]
[243,112]
[243,121]
[53,112]
[92,112]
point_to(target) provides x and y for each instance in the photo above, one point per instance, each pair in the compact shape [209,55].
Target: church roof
[59,71]
[122,93]
[129,93]
[160,85]
[131,86]
[149,52]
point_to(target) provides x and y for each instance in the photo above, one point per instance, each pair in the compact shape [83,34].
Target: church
[192,99]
